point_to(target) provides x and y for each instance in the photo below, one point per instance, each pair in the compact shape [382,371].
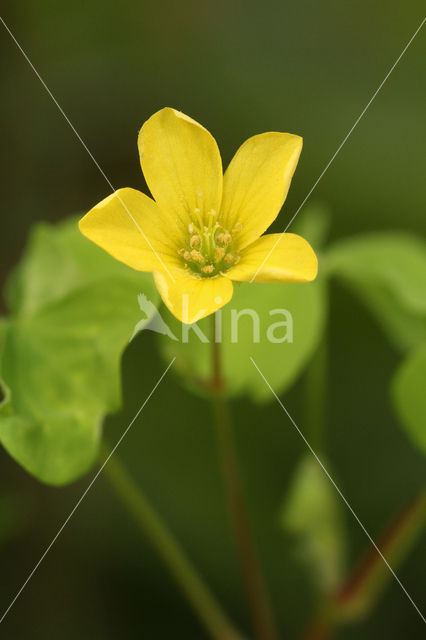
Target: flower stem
[256,592]
[197,593]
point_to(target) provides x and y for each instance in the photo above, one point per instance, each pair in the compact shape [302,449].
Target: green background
[239,68]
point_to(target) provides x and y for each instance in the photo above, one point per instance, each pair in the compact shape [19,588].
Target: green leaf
[388,271]
[57,261]
[74,311]
[408,394]
[300,327]
[312,513]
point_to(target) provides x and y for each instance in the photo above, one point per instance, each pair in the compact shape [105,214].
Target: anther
[196,256]
[229,258]
[195,241]
[224,238]
[208,269]
[219,253]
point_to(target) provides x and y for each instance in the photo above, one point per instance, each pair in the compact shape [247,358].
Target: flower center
[209,249]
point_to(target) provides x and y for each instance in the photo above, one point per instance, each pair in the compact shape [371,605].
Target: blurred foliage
[244,335]
[364,587]
[73,311]
[388,271]
[312,512]
[354,600]
[408,392]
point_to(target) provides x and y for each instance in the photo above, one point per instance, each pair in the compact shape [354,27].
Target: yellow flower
[202,229]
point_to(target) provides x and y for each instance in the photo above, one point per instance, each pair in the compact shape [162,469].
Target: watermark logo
[156,323]
[276,328]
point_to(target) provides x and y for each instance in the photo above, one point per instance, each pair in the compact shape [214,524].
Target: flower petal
[276,257]
[190,298]
[256,183]
[181,164]
[129,225]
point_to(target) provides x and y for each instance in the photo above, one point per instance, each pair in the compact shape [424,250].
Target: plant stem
[197,593]
[260,609]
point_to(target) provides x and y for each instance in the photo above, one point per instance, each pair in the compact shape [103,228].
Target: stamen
[219,253]
[209,248]
[208,269]
[224,238]
[197,256]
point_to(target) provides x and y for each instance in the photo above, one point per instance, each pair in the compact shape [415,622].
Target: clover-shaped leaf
[74,310]
[278,325]
[388,272]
